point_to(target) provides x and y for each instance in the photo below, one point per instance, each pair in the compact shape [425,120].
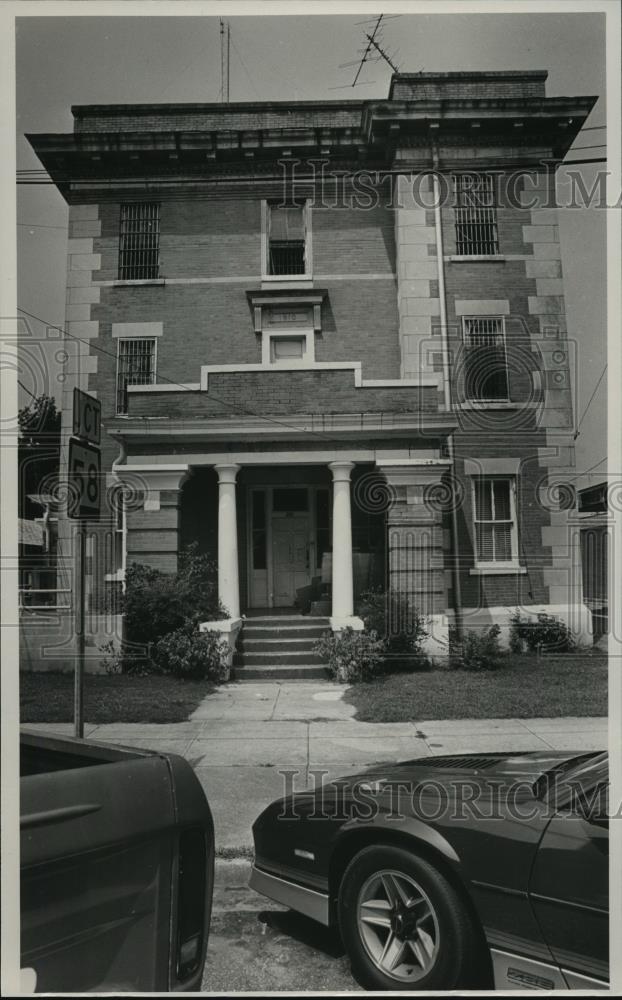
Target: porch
[295,533]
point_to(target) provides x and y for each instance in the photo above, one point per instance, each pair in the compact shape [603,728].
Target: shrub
[478,651]
[156,604]
[546,634]
[352,656]
[401,628]
[192,655]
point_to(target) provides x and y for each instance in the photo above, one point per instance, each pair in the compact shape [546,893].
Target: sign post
[84,478]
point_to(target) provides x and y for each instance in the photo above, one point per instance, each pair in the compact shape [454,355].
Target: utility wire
[576,433]
[585,471]
[237,410]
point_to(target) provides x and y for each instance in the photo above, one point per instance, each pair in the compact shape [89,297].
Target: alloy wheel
[398,925]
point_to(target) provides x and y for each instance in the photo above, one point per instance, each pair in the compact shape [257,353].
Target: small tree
[38,447]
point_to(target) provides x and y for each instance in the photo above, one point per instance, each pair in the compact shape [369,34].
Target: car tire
[403,924]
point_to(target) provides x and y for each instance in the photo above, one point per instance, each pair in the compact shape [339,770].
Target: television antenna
[373,51]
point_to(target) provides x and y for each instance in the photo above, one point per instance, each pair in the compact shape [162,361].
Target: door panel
[290,547]
[569,891]
[96,862]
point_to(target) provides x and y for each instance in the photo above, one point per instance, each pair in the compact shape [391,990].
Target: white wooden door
[290,554]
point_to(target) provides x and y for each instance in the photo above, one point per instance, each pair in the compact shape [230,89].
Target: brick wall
[208,118]
[283,392]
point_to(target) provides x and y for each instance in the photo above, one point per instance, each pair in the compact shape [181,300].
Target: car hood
[488,771]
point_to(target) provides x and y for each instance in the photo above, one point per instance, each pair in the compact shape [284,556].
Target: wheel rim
[397,925]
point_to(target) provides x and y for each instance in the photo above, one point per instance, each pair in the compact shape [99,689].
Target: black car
[452,872]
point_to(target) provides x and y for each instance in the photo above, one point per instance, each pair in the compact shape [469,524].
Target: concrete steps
[280,648]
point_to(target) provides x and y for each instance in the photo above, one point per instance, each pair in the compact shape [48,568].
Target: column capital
[413,471]
[341,471]
[153,478]
[227,472]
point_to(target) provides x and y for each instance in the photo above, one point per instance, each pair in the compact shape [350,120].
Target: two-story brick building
[329,342]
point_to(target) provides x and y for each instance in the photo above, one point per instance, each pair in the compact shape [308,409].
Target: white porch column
[343,584]
[228,575]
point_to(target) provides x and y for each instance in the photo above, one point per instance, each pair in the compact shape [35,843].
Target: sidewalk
[241,738]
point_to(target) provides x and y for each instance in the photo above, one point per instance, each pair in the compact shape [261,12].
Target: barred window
[287,240]
[485,360]
[136,365]
[476,214]
[496,539]
[139,241]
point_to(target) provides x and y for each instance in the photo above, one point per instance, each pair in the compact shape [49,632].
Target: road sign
[84,476]
[86,417]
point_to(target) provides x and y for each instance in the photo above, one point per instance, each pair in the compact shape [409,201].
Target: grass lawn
[118,698]
[526,687]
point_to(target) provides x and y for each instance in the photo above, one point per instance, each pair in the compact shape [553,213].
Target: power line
[591,469]
[576,433]
[248,76]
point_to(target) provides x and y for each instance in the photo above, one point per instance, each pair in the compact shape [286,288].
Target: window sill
[122,282]
[287,281]
[497,257]
[117,577]
[497,569]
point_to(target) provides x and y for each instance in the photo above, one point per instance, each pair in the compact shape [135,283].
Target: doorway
[289,530]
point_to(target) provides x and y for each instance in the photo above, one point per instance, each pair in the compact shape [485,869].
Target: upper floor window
[139,241]
[485,361]
[496,534]
[136,365]
[476,215]
[287,240]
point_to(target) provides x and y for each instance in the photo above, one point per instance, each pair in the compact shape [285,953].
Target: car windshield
[575,770]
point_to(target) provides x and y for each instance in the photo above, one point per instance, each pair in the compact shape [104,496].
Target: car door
[569,888]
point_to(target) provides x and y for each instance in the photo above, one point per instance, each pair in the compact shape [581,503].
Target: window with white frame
[476,215]
[485,359]
[136,365]
[494,514]
[139,241]
[287,239]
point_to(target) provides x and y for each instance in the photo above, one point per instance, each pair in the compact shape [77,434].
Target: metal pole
[80,621]
[440,259]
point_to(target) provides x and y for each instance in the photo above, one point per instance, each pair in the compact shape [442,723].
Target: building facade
[330,344]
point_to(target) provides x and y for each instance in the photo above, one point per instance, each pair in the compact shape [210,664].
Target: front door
[290,555]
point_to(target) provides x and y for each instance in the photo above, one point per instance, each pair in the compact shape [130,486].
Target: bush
[479,650]
[192,655]
[401,629]
[352,656]
[156,604]
[546,634]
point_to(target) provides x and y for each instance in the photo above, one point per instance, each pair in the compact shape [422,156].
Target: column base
[228,629]
[352,621]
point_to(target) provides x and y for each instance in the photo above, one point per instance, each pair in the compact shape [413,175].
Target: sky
[62,61]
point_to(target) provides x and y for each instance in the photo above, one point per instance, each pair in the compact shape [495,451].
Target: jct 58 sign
[84,480]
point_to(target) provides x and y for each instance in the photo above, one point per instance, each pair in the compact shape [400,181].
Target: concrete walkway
[241,739]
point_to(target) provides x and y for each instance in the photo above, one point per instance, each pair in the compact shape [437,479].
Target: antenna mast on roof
[225,45]
[373,37]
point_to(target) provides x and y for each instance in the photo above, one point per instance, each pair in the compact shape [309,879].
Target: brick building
[329,342]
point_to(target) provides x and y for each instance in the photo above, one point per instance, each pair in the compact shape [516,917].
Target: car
[452,872]
[117,868]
